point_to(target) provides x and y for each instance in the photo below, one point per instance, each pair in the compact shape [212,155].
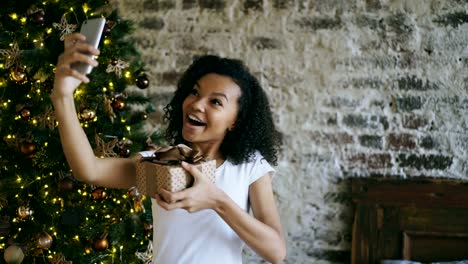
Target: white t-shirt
[203,236]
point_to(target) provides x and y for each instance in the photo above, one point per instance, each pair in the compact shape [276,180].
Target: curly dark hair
[254,129]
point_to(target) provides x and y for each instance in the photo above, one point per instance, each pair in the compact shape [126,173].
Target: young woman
[219,109]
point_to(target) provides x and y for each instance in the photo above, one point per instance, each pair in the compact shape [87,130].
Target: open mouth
[193,120]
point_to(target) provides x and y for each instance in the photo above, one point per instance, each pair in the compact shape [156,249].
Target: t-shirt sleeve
[260,168]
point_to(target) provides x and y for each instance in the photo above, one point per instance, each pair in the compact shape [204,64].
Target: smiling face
[210,110]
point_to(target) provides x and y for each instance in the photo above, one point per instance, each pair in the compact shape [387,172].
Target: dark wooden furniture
[412,219]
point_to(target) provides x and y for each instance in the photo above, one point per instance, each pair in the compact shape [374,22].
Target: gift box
[163,169]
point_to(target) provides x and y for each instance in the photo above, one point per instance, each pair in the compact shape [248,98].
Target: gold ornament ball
[101,244]
[45,240]
[13,255]
[142,81]
[18,76]
[28,148]
[24,212]
[118,103]
[87,114]
[66,184]
[25,113]
[99,194]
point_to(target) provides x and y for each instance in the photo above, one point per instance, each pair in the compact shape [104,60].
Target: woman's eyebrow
[216,94]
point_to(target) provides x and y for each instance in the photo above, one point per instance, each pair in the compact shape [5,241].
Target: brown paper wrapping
[151,175]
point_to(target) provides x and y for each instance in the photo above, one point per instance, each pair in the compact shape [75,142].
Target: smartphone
[92,30]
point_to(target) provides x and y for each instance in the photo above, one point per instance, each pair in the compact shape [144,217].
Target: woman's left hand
[202,195]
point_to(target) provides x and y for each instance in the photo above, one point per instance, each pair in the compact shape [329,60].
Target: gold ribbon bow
[173,155]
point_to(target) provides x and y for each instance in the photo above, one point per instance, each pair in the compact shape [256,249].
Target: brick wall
[360,88]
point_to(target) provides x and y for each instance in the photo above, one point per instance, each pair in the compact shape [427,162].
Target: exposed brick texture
[359,89]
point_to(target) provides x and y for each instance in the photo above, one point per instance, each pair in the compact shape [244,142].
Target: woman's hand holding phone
[77,59]
[67,78]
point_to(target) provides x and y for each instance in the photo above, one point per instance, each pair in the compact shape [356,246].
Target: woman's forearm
[263,239]
[75,144]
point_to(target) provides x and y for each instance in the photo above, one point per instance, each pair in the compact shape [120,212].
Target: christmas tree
[46,216]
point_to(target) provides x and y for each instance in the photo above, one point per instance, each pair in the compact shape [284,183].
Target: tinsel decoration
[11,56]
[108,108]
[147,256]
[137,199]
[64,27]
[48,119]
[117,66]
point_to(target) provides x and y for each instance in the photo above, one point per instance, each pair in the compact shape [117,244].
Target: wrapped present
[163,169]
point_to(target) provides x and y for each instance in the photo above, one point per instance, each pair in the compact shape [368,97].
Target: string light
[23,20]
[14,16]
[107,41]
[85,8]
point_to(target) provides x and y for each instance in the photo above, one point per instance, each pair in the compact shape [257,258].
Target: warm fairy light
[46,144]
[85,8]
[34,121]
[123,120]
[1,65]
[104,89]
[124,196]
[132,211]
[34,40]
[23,20]
[18,179]
[77,238]
[49,30]
[128,128]
[85,193]
[128,75]
[107,42]
[14,16]
[111,84]
[38,178]
[114,250]
[46,186]
[71,9]
[46,193]
[118,202]
[42,44]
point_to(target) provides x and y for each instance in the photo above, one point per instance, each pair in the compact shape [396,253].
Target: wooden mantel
[418,219]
